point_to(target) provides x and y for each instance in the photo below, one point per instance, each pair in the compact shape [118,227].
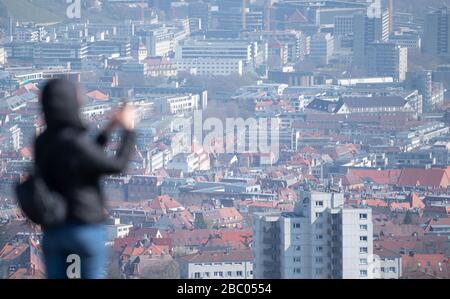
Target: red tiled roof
[435,177]
[164,203]
[97,95]
[382,177]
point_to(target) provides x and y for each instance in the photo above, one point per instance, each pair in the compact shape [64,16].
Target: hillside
[33,11]
[48,11]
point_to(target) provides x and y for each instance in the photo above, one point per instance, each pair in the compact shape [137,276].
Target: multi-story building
[29,33]
[343,25]
[366,31]
[114,229]
[389,263]
[162,40]
[210,66]
[432,92]
[72,53]
[410,40]
[322,48]
[322,238]
[216,49]
[132,73]
[297,42]
[200,10]
[108,48]
[176,104]
[436,37]
[233,264]
[214,57]
[387,60]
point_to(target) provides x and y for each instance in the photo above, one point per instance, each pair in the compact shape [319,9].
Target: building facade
[437,33]
[322,238]
[387,60]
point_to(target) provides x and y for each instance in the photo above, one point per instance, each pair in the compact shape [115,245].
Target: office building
[432,92]
[436,37]
[109,48]
[322,48]
[322,238]
[343,25]
[387,60]
[214,57]
[366,31]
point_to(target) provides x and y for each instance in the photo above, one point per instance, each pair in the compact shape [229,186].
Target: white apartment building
[214,57]
[210,67]
[190,162]
[114,230]
[389,263]
[175,104]
[322,238]
[234,264]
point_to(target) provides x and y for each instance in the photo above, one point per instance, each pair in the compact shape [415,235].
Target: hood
[61,106]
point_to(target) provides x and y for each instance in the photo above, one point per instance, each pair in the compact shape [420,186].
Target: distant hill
[49,11]
[419,7]
[37,11]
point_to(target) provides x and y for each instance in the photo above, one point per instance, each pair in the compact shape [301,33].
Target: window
[239,273]
[319,237]
[363,216]
[319,203]
[298,248]
[207,274]
[319,215]
[363,250]
[319,260]
[229,273]
[392,270]
[363,261]
[297,259]
[296,225]
[319,248]
[363,238]
[363,273]
[197,275]
[297,270]
[319,271]
[382,269]
[363,227]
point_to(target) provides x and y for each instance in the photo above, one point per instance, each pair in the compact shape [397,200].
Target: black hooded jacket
[69,161]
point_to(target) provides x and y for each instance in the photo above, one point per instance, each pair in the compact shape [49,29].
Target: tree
[200,223]
[408,218]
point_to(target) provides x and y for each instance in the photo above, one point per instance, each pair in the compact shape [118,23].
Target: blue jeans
[84,242]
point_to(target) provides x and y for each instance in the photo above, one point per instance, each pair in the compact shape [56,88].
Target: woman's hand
[126,117]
